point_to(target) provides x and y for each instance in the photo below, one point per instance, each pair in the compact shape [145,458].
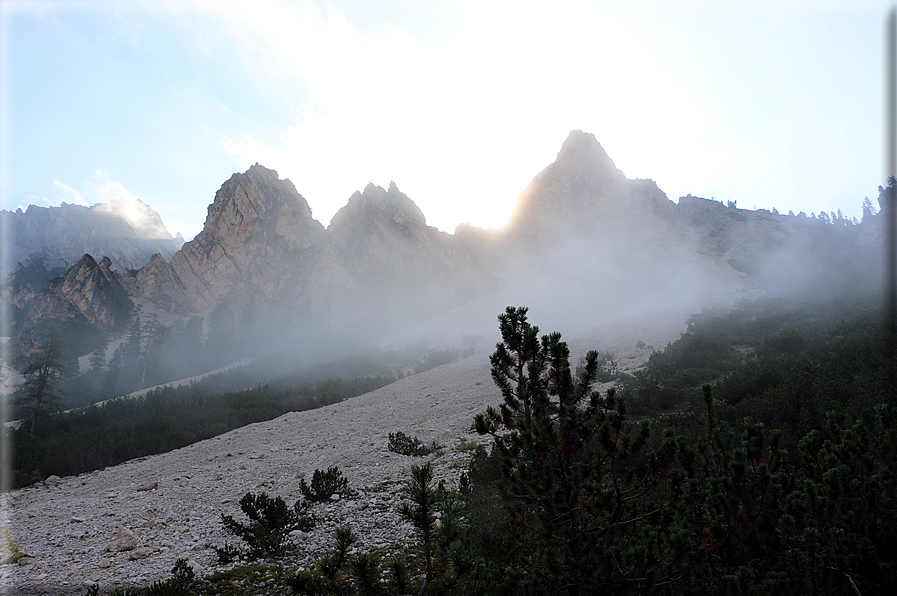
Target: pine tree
[435,517]
[157,338]
[868,209]
[98,357]
[113,371]
[42,374]
[568,456]
[420,511]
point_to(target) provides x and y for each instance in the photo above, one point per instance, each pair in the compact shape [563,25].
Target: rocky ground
[170,505]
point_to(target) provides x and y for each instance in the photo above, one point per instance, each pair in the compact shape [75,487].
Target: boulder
[124,540]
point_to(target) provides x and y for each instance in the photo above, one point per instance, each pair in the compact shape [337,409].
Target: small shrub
[227,553]
[402,444]
[182,571]
[366,570]
[178,585]
[10,549]
[270,523]
[398,572]
[465,445]
[129,591]
[326,575]
[309,581]
[324,485]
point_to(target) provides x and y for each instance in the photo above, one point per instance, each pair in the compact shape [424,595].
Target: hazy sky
[773,104]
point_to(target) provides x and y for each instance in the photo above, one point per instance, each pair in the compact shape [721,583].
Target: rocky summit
[583,193]
[89,294]
[259,244]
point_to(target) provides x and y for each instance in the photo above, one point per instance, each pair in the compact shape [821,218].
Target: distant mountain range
[263,265]
[127,231]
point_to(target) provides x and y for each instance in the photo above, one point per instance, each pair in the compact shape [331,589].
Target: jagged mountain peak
[379,204]
[256,201]
[126,230]
[582,192]
[89,293]
[582,155]
[257,230]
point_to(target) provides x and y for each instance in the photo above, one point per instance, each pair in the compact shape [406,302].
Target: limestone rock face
[89,293]
[380,228]
[158,282]
[387,262]
[127,231]
[384,232]
[583,194]
[731,232]
[786,252]
[258,242]
[264,266]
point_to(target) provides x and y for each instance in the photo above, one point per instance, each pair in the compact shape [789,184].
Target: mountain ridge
[127,231]
[263,263]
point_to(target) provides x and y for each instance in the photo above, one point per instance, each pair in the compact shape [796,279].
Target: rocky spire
[89,292]
[583,193]
[257,229]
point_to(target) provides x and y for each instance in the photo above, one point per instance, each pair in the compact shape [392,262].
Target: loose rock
[140,553]
[124,540]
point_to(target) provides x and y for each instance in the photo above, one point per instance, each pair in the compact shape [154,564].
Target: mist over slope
[192,486]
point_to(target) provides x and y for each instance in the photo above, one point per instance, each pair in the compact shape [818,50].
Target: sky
[769,104]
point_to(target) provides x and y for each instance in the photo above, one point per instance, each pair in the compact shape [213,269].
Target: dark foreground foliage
[599,503]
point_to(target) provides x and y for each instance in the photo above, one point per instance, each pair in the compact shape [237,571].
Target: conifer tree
[98,357]
[568,455]
[110,382]
[42,374]
[868,210]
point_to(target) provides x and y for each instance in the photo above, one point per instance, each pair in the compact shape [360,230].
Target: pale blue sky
[773,104]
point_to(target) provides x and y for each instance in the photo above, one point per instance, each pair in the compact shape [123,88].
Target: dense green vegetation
[780,478]
[164,420]
[786,365]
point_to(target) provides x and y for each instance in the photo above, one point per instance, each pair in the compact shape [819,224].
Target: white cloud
[104,194]
[69,194]
[115,199]
[103,189]
[461,126]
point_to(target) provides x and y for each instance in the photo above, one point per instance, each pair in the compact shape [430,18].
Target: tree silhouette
[578,480]
[42,375]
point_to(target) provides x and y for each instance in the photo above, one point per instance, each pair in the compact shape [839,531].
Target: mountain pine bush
[402,444]
[324,485]
[269,527]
